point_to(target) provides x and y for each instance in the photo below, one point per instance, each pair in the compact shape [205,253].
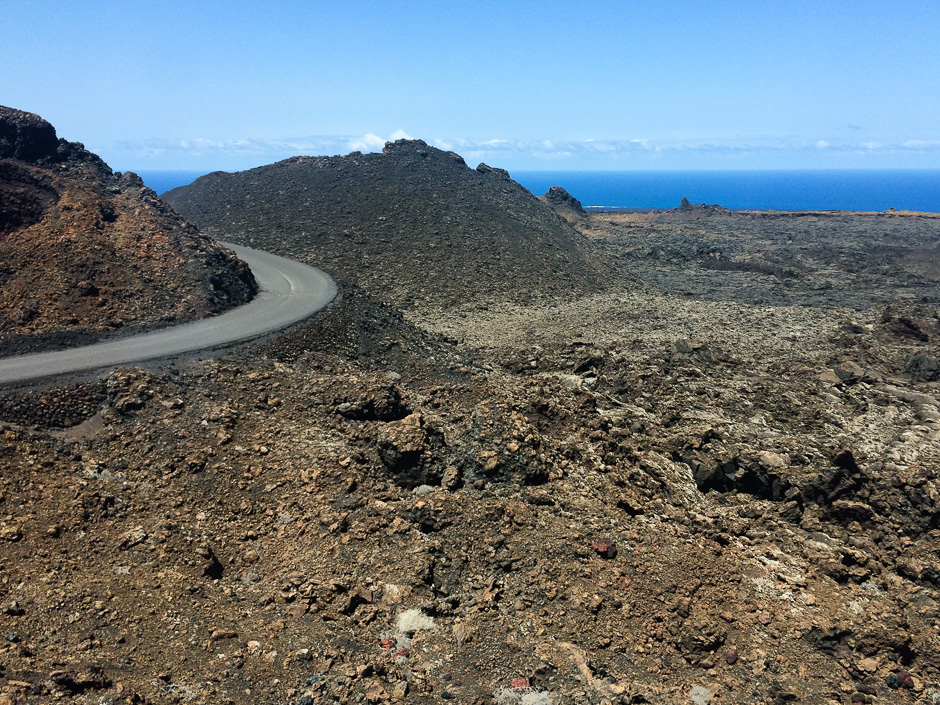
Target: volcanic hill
[86,251]
[411,224]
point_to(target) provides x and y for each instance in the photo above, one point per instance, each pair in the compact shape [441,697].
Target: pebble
[900,680]
[12,608]
[218,634]
[606,548]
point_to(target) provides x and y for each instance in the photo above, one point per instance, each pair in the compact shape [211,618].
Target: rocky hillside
[411,224]
[85,251]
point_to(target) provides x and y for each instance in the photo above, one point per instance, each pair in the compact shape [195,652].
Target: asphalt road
[289,292]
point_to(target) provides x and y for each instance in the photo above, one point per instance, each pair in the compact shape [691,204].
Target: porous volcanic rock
[411,224]
[85,251]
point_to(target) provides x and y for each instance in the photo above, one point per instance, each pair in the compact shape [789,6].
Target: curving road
[289,292]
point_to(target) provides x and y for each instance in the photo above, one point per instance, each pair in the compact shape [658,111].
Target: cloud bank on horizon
[538,154]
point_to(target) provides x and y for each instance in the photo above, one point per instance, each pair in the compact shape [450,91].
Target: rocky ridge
[86,252]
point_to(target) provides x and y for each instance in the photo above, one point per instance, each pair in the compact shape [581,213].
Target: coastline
[856,191]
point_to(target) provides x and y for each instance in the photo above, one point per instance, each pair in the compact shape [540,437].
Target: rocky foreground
[85,252]
[717,487]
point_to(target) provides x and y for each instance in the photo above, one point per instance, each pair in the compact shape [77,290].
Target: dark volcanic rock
[566,205]
[688,209]
[86,251]
[26,137]
[413,223]
[922,367]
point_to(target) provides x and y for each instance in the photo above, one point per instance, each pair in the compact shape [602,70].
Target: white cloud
[371,142]
[626,153]
[367,143]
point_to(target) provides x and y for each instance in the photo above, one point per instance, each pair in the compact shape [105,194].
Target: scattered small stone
[400,690]
[520,683]
[134,537]
[10,532]
[219,634]
[12,608]
[903,679]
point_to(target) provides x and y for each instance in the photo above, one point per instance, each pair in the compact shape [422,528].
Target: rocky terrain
[86,252]
[412,226]
[711,480]
[831,258]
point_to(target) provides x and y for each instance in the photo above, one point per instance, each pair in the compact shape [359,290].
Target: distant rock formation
[412,223]
[85,251]
[688,210]
[566,205]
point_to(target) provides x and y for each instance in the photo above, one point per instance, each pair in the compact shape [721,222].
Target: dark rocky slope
[86,251]
[413,223]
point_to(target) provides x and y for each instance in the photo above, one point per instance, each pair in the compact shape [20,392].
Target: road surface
[289,292]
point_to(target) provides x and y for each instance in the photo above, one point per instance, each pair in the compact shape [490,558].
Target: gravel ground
[645,494]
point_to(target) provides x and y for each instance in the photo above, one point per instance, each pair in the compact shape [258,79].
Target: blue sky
[622,85]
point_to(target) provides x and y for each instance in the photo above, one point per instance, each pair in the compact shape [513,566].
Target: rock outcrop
[566,205]
[414,223]
[687,210]
[86,251]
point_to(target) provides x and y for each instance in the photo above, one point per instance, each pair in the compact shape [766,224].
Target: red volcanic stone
[606,548]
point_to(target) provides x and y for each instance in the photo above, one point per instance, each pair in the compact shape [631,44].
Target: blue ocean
[875,190]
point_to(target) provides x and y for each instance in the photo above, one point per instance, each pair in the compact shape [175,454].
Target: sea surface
[875,190]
